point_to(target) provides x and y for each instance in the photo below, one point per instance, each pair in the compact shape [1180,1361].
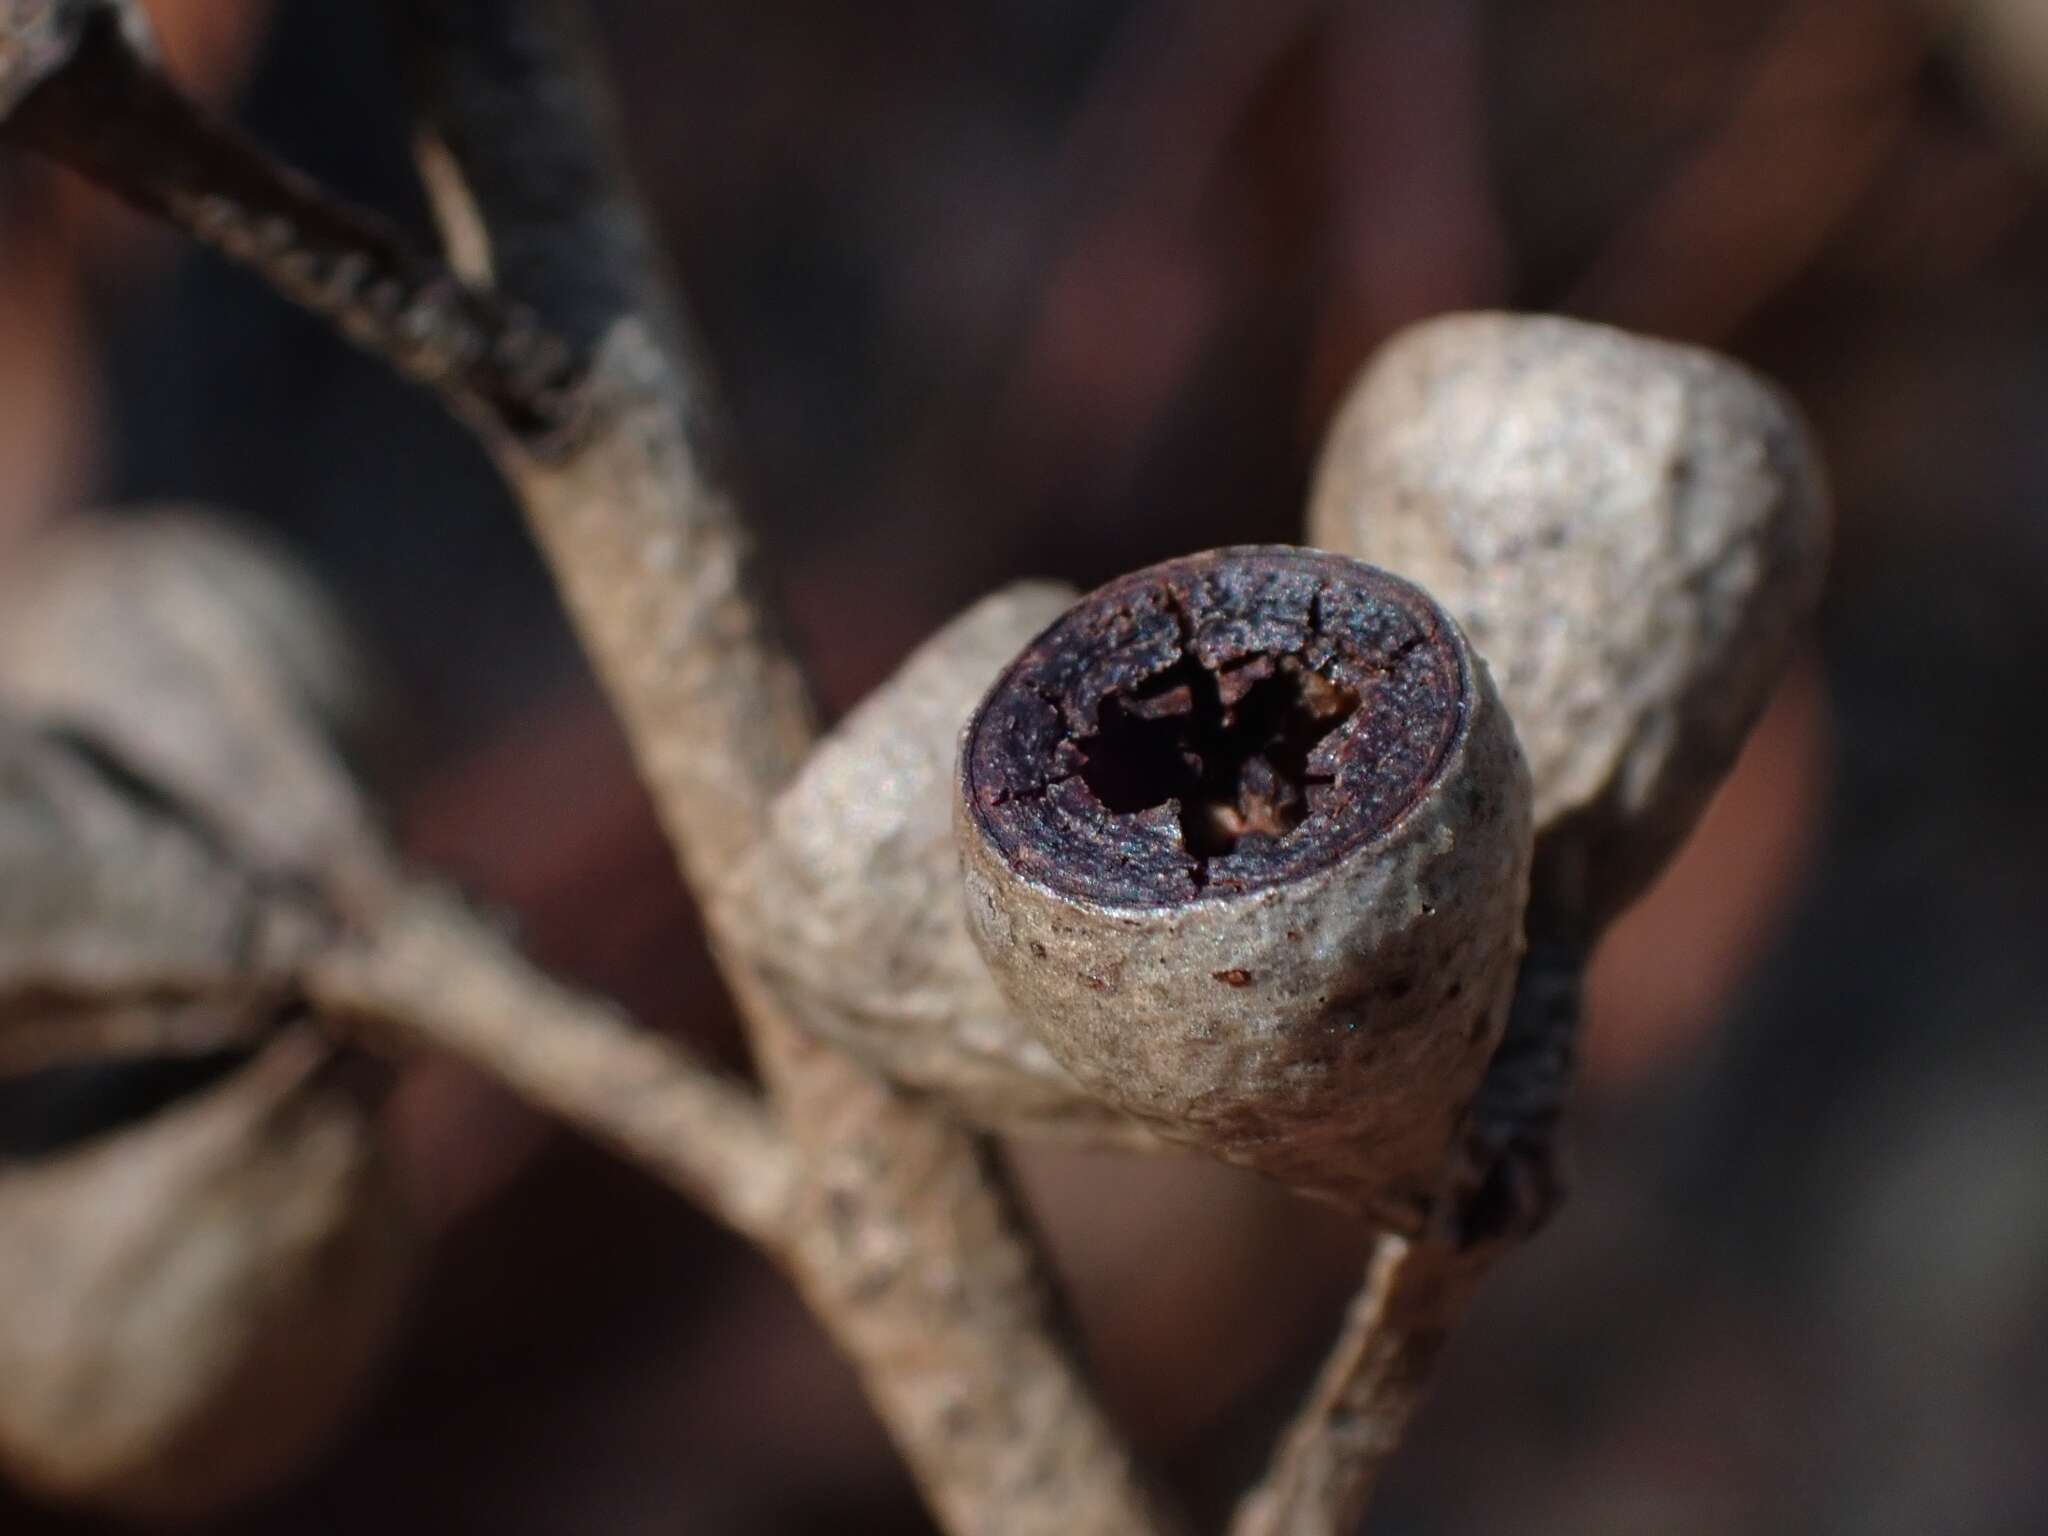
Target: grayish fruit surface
[190,1306]
[1631,532]
[108,893]
[209,664]
[851,909]
[1324,1019]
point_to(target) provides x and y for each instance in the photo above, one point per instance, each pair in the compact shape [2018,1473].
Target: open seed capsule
[1245,838]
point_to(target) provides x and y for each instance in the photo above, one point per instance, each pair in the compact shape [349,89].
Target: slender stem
[910,1248]
[640,519]
[102,108]
[1504,1186]
[430,975]
[1329,1461]
[909,1243]
[897,1225]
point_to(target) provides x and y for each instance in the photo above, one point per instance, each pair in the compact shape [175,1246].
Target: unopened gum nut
[1631,533]
[850,907]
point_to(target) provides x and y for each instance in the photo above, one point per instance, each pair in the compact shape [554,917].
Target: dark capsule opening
[1217,723]
[1229,749]
[56,1109]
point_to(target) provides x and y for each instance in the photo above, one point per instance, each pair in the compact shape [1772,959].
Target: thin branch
[911,1249]
[640,518]
[1505,1187]
[432,976]
[867,1210]
[77,85]
[1356,1416]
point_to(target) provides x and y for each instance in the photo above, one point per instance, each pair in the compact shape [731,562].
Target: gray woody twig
[78,82]
[431,976]
[1503,1187]
[907,1242]
[900,1228]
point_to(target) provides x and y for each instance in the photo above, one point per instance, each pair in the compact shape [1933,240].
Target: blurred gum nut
[192,1304]
[211,665]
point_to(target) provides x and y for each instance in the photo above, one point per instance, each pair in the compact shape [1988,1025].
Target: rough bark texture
[658,576]
[940,1295]
[1630,531]
[1289,937]
[1316,999]
[605,432]
[87,91]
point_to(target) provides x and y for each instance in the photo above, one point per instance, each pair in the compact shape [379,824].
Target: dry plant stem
[1326,1466]
[1502,1189]
[638,515]
[433,976]
[1323,1472]
[910,1250]
[103,108]
[907,1241]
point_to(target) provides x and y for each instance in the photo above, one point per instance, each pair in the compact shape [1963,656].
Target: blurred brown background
[1063,286]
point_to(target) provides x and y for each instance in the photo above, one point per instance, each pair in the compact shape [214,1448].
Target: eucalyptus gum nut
[191,1306]
[1631,532]
[1245,838]
[108,892]
[850,907]
[209,664]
